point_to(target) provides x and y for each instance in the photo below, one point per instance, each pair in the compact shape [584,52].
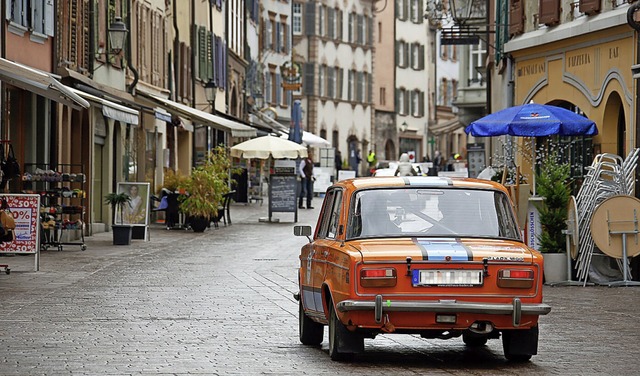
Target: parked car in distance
[434,256]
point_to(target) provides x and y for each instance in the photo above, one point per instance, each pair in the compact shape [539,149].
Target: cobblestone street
[221,303]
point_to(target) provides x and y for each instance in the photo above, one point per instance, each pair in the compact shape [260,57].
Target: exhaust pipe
[481,327]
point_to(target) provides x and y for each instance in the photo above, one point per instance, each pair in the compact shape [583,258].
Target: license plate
[447,277]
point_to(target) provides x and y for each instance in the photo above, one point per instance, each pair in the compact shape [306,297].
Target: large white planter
[555,267]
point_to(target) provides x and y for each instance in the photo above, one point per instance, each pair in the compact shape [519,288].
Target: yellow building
[583,65]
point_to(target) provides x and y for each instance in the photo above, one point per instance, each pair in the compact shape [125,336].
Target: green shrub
[553,183]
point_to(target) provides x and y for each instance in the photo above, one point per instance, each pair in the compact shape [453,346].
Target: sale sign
[25,212]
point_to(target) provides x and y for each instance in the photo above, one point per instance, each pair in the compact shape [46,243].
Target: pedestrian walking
[372,160]
[306,179]
[338,162]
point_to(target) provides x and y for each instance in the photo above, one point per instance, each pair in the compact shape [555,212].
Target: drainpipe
[133,84]
[635,69]
[176,51]
[194,39]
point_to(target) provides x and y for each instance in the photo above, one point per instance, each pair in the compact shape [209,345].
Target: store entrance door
[96,189]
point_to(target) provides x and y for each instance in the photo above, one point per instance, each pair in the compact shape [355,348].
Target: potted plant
[552,183]
[205,189]
[121,232]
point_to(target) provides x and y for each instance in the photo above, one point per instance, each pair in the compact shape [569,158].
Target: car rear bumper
[516,309]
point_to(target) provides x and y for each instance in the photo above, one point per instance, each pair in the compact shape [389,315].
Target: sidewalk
[100,248]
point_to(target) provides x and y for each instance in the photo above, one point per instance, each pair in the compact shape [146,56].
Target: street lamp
[210,92]
[117,35]
[468,11]
[404,126]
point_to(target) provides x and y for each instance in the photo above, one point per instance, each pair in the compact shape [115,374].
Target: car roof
[418,181]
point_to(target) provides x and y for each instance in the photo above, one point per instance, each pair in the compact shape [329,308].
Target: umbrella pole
[533,164]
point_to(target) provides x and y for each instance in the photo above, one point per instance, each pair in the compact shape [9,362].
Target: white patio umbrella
[268,146]
[310,139]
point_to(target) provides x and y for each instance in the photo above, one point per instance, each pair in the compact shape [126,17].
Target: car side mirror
[302,231]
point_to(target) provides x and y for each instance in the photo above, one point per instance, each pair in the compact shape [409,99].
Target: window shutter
[420,14]
[278,89]
[590,7]
[421,110]
[405,7]
[339,83]
[360,24]
[49,16]
[214,58]
[287,38]
[224,66]
[277,37]
[218,62]
[406,55]
[409,59]
[549,12]
[309,75]
[359,82]
[202,53]
[263,35]
[421,58]
[398,54]
[370,30]
[331,22]
[369,88]
[341,26]
[516,18]
[397,100]
[310,18]
[209,58]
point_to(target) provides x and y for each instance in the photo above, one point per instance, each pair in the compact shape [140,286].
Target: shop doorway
[614,128]
[96,190]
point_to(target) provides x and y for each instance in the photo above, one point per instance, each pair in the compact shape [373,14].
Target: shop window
[516,18]
[549,12]
[590,6]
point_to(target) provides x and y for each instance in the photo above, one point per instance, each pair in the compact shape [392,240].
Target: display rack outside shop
[62,204]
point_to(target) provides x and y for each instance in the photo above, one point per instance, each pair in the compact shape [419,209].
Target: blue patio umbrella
[295,131]
[532,120]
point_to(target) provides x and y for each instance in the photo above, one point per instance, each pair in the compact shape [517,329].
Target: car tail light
[516,278]
[384,277]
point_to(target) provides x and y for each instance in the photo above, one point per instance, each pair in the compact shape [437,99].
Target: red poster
[25,211]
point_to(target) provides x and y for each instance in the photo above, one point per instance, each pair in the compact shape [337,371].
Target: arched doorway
[390,151]
[354,154]
[613,129]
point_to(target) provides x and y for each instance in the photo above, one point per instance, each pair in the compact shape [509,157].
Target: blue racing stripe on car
[440,249]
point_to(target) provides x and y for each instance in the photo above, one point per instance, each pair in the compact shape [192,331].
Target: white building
[411,76]
[333,42]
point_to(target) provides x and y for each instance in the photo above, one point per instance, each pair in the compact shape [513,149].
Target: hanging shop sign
[291,76]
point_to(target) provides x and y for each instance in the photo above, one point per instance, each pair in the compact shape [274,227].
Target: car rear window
[433,212]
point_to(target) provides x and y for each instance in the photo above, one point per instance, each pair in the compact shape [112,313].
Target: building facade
[411,79]
[334,46]
[577,57]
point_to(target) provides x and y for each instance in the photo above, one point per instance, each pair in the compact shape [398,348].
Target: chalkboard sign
[283,193]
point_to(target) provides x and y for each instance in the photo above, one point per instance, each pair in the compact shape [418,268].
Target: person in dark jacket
[306,175]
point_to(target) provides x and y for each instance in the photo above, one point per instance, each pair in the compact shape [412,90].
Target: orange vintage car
[438,257]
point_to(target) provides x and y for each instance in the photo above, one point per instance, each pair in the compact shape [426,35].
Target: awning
[237,129]
[84,83]
[40,83]
[445,127]
[259,123]
[112,110]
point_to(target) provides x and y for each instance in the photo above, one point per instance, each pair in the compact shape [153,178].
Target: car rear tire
[340,338]
[520,344]
[311,332]
[474,340]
